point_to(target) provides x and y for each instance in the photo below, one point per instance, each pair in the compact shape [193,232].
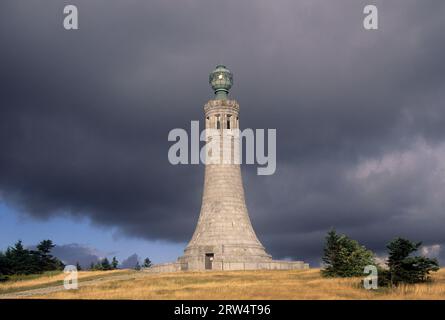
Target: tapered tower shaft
[224,234]
[224,238]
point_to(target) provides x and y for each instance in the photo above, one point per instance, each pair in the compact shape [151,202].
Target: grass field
[305,284]
[52,278]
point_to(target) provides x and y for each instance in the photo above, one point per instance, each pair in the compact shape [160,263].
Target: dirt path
[52,289]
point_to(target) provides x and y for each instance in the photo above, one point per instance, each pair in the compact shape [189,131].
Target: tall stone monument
[224,238]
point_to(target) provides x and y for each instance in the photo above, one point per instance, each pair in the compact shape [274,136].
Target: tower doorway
[209,261]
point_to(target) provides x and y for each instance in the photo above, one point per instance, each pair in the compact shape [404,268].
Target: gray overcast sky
[360,117]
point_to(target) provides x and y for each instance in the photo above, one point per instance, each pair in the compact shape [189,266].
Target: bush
[404,268]
[147,263]
[344,257]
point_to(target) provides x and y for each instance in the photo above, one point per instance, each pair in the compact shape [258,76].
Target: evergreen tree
[5,267]
[19,260]
[147,263]
[137,266]
[23,261]
[105,264]
[404,268]
[78,266]
[48,262]
[344,257]
[98,266]
[45,247]
[114,263]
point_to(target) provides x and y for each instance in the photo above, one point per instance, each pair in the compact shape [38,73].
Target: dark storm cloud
[85,114]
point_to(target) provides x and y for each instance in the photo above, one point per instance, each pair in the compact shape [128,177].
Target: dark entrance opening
[209,261]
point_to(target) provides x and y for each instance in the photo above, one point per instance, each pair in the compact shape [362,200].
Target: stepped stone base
[233,265]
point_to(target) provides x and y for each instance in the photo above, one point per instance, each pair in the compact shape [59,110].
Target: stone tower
[224,234]
[224,238]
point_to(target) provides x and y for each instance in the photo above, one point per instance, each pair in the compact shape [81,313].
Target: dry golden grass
[52,278]
[304,284]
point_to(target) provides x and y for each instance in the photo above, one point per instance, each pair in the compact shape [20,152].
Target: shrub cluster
[344,257]
[19,260]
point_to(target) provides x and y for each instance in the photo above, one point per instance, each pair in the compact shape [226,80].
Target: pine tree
[344,257]
[78,266]
[45,246]
[114,263]
[137,266]
[5,267]
[19,260]
[105,264]
[331,250]
[47,261]
[23,261]
[403,268]
[147,263]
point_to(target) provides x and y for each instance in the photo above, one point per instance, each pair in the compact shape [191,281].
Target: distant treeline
[105,264]
[19,260]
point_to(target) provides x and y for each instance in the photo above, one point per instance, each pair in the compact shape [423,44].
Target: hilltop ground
[128,284]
